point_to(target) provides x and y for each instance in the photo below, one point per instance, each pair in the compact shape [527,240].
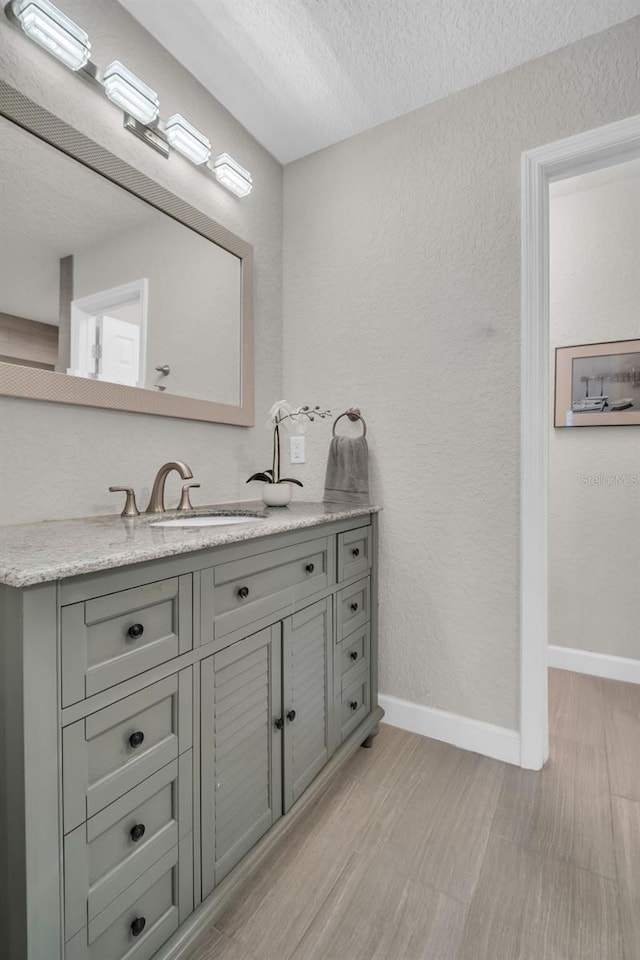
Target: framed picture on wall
[598,385]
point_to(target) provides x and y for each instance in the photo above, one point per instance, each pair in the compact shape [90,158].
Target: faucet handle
[185,502]
[130,507]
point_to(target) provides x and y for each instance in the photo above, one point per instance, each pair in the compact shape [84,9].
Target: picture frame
[598,385]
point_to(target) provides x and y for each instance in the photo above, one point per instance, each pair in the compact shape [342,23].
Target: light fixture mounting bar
[152,136]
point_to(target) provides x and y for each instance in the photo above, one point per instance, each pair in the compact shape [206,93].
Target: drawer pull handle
[243,592]
[137,832]
[354,704]
[135,631]
[138,926]
[136,739]
[291,716]
[310,567]
[354,654]
[354,607]
[355,552]
[279,723]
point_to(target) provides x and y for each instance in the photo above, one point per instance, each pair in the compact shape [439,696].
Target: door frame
[592,150]
[84,311]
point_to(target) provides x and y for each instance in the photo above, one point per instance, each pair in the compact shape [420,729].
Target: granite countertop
[33,553]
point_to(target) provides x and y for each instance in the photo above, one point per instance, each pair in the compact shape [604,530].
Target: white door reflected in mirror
[118,351]
[108,334]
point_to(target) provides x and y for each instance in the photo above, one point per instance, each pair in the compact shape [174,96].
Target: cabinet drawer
[140,920]
[109,639]
[355,705]
[240,592]
[354,655]
[354,607]
[354,553]
[115,749]
[105,855]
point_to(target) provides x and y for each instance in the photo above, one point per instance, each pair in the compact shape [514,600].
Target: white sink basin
[205,521]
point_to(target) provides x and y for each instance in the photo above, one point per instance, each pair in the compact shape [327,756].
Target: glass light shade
[232,176]
[54,31]
[130,93]
[187,140]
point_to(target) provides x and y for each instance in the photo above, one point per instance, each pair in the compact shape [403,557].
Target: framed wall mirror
[114,292]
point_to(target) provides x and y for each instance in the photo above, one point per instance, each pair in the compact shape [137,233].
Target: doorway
[597,149]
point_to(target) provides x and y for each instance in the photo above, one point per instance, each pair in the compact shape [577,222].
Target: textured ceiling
[303,74]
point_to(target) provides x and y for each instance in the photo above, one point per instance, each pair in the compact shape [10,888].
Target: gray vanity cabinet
[165,723]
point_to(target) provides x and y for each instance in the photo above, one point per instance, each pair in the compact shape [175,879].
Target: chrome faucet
[156,503]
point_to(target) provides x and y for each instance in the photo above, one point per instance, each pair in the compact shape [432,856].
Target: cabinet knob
[354,704]
[291,715]
[354,607]
[279,723]
[138,926]
[355,552]
[310,567]
[135,631]
[243,592]
[137,832]
[136,738]
[354,654]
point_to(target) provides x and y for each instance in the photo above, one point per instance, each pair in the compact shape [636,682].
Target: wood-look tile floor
[420,851]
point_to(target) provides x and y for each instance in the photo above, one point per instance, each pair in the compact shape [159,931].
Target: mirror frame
[35,384]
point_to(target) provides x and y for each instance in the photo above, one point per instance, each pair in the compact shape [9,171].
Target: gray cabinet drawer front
[354,655]
[353,607]
[354,553]
[154,898]
[245,590]
[105,855]
[113,638]
[355,705]
[100,759]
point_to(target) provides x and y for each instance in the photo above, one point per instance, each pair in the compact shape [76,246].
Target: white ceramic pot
[276,494]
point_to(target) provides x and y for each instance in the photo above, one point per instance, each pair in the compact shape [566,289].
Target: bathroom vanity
[171,701]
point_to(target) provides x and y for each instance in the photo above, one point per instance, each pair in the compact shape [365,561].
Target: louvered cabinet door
[241,747]
[307,647]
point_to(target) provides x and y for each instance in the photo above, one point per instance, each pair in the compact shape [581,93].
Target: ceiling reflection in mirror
[97,283]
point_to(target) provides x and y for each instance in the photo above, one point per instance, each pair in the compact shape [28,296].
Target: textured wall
[402,295]
[594,482]
[56,460]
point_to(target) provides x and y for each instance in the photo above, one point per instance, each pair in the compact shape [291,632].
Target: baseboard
[500,743]
[595,664]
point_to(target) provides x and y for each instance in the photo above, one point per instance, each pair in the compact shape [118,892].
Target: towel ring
[354,414]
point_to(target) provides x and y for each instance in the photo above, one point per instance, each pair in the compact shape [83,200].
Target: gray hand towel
[347,477]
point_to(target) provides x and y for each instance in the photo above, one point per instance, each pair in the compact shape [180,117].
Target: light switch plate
[297,449]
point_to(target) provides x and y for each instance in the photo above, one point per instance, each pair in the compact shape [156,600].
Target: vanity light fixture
[60,36]
[130,93]
[54,31]
[232,176]
[188,141]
